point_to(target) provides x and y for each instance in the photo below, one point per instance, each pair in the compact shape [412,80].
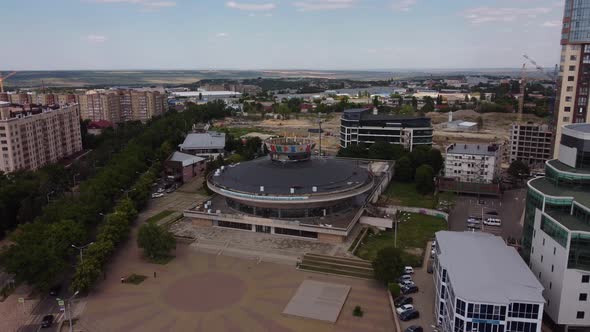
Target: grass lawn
[412,233]
[135,279]
[160,216]
[405,194]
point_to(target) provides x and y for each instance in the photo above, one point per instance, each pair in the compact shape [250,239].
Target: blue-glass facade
[576,22]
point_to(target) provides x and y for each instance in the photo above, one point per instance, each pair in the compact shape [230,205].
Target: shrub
[358,312]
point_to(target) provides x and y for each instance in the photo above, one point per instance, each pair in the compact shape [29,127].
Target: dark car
[414,328]
[47,321]
[54,291]
[408,315]
[429,269]
[401,300]
[409,289]
[493,213]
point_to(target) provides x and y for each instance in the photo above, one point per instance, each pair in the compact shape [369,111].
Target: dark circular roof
[328,175]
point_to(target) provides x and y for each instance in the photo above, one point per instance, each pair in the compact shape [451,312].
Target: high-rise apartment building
[574,80]
[33,137]
[121,105]
[556,232]
[531,143]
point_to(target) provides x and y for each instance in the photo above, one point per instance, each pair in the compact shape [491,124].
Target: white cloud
[98,39]
[253,7]
[222,34]
[403,5]
[145,4]
[313,5]
[552,24]
[503,14]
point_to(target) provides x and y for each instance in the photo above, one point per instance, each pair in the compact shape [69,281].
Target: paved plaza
[204,292]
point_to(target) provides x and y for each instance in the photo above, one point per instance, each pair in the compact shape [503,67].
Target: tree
[424,179]
[388,265]
[479,123]
[518,170]
[353,151]
[381,150]
[406,110]
[375,101]
[428,104]
[200,96]
[155,241]
[435,159]
[403,169]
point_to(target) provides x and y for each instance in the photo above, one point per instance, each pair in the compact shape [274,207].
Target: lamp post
[81,248]
[69,304]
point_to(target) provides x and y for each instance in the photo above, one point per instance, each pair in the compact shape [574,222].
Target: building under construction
[531,143]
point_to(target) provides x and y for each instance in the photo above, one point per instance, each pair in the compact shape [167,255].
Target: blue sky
[282,34]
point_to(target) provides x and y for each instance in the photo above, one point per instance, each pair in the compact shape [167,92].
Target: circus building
[291,193]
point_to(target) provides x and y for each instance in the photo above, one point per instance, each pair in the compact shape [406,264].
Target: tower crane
[522,91]
[2,79]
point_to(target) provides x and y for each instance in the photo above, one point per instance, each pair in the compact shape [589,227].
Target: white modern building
[473,162]
[556,231]
[484,285]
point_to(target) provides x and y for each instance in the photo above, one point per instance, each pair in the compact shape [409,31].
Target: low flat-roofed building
[484,285]
[210,144]
[473,162]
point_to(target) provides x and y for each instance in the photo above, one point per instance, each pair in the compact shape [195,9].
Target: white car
[493,222]
[401,309]
[408,270]
[403,283]
[157,195]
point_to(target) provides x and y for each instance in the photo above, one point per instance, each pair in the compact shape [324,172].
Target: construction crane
[552,77]
[2,79]
[522,91]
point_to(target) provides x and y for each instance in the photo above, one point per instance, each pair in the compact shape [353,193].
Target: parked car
[406,283]
[404,308]
[493,222]
[410,314]
[492,213]
[429,269]
[409,289]
[54,291]
[433,245]
[47,321]
[160,190]
[408,270]
[171,189]
[157,195]
[401,300]
[414,328]
[404,277]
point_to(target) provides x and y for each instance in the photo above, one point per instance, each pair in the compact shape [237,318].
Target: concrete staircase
[349,267]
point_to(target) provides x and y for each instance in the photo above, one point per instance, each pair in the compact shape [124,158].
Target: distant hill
[85,78]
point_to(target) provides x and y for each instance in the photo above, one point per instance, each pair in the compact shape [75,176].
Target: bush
[388,265]
[358,312]
[394,289]
[155,241]
[135,279]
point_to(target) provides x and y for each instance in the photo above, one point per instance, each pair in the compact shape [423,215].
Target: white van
[493,222]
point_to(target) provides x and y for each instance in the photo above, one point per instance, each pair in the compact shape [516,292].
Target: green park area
[405,194]
[414,231]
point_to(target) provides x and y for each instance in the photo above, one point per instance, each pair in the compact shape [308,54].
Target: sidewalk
[14,314]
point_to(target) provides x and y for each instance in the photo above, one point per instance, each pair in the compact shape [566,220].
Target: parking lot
[424,298]
[509,209]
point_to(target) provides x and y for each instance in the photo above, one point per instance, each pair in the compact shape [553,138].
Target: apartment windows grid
[523,310]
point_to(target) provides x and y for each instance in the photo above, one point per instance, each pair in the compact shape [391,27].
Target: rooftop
[569,221]
[185,158]
[208,140]
[566,168]
[581,127]
[473,149]
[327,175]
[580,194]
[482,268]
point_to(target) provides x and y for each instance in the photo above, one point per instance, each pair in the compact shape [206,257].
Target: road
[509,209]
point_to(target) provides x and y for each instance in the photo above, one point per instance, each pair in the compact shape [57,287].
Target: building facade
[531,143]
[121,105]
[473,162]
[366,126]
[31,138]
[556,232]
[483,285]
[574,78]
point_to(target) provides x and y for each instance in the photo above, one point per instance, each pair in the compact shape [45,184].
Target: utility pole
[81,249]
[522,91]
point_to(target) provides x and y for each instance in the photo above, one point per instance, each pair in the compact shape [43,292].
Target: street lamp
[70,308]
[81,249]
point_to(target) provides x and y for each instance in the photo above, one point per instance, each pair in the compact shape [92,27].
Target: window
[572,68]
[567,109]
[550,285]
[586,279]
[543,241]
[552,267]
[539,274]
[569,89]
[554,249]
[583,297]
[568,98]
[580,315]
[570,78]
[566,119]
[572,58]
[541,258]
